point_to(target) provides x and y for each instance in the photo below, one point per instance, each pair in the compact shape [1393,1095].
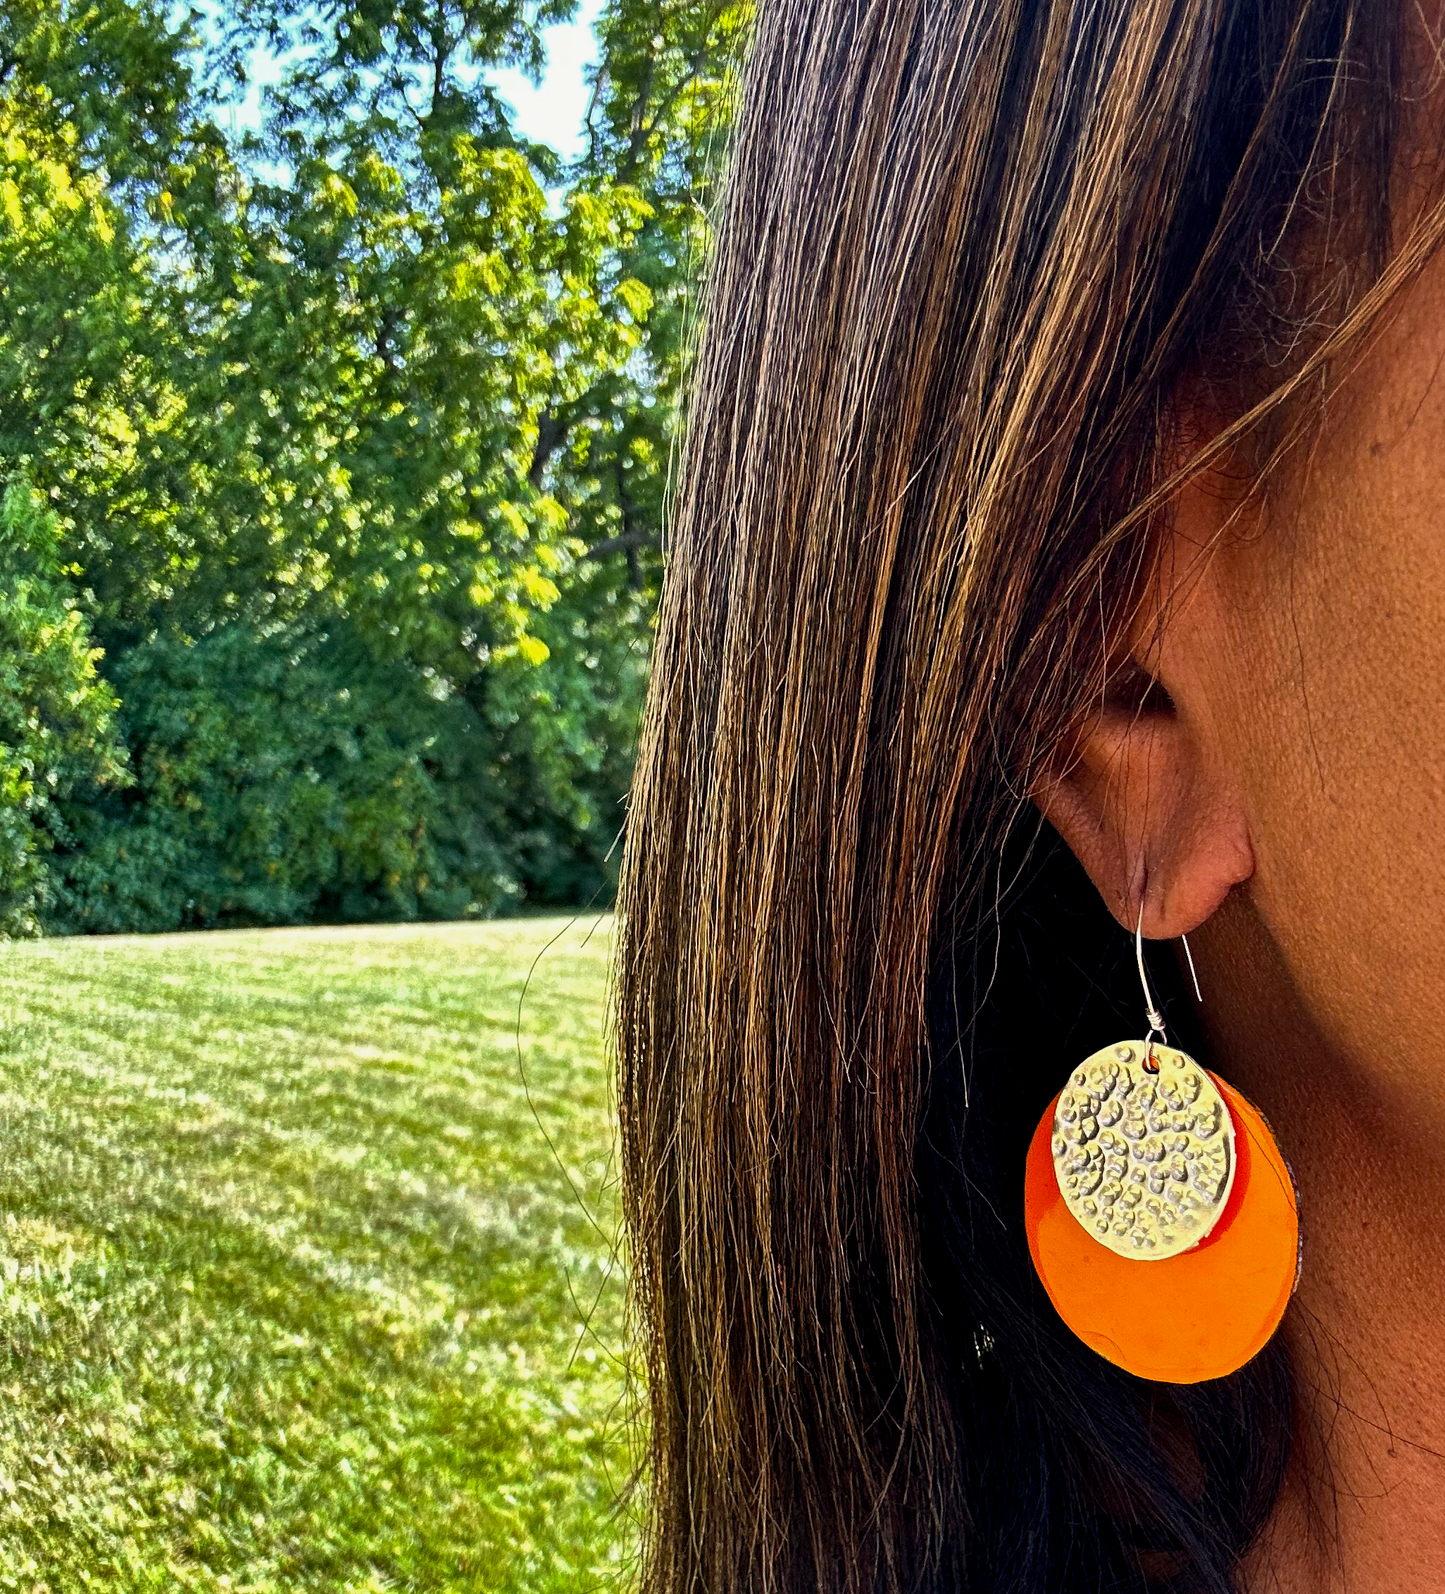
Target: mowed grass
[294,1294]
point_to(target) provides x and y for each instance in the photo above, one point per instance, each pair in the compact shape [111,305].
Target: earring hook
[1198,994]
[1152,1013]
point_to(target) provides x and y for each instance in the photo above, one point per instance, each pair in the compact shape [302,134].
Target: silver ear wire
[1155,1017]
[1198,994]
[1152,1013]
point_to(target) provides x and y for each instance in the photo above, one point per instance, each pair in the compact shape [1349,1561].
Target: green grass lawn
[294,1294]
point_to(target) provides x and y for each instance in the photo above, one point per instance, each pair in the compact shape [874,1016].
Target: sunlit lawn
[292,1288]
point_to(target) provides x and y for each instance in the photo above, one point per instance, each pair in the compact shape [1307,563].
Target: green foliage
[661,116]
[387,322]
[282,777]
[295,1297]
[55,712]
[569,726]
[356,432]
[288,776]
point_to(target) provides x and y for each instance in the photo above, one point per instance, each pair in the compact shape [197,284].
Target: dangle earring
[1161,1215]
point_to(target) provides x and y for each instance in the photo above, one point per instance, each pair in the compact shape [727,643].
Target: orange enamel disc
[1199,1315]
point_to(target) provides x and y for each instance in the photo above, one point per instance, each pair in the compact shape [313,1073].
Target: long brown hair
[968,252]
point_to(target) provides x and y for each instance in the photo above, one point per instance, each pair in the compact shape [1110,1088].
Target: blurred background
[341,348]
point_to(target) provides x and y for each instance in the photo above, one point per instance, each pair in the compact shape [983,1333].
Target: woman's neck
[1365,1495]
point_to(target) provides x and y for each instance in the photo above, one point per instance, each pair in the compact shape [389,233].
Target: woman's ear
[1145,796]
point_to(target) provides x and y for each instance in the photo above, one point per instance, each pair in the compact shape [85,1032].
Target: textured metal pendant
[1145,1160]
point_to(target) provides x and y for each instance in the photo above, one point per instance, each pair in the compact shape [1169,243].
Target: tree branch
[551,434]
[624,542]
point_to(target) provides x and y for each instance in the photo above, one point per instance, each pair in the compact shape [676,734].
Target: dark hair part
[968,253]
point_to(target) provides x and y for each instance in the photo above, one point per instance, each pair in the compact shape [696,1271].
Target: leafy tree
[95,353]
[351,437]
[280,777]
[660,118]
[55,711]
[394,304]
[658,124]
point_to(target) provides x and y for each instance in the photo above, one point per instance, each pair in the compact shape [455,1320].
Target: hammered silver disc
[1145,1161]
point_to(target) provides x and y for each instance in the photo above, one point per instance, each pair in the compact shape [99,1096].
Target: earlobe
[1150,815]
